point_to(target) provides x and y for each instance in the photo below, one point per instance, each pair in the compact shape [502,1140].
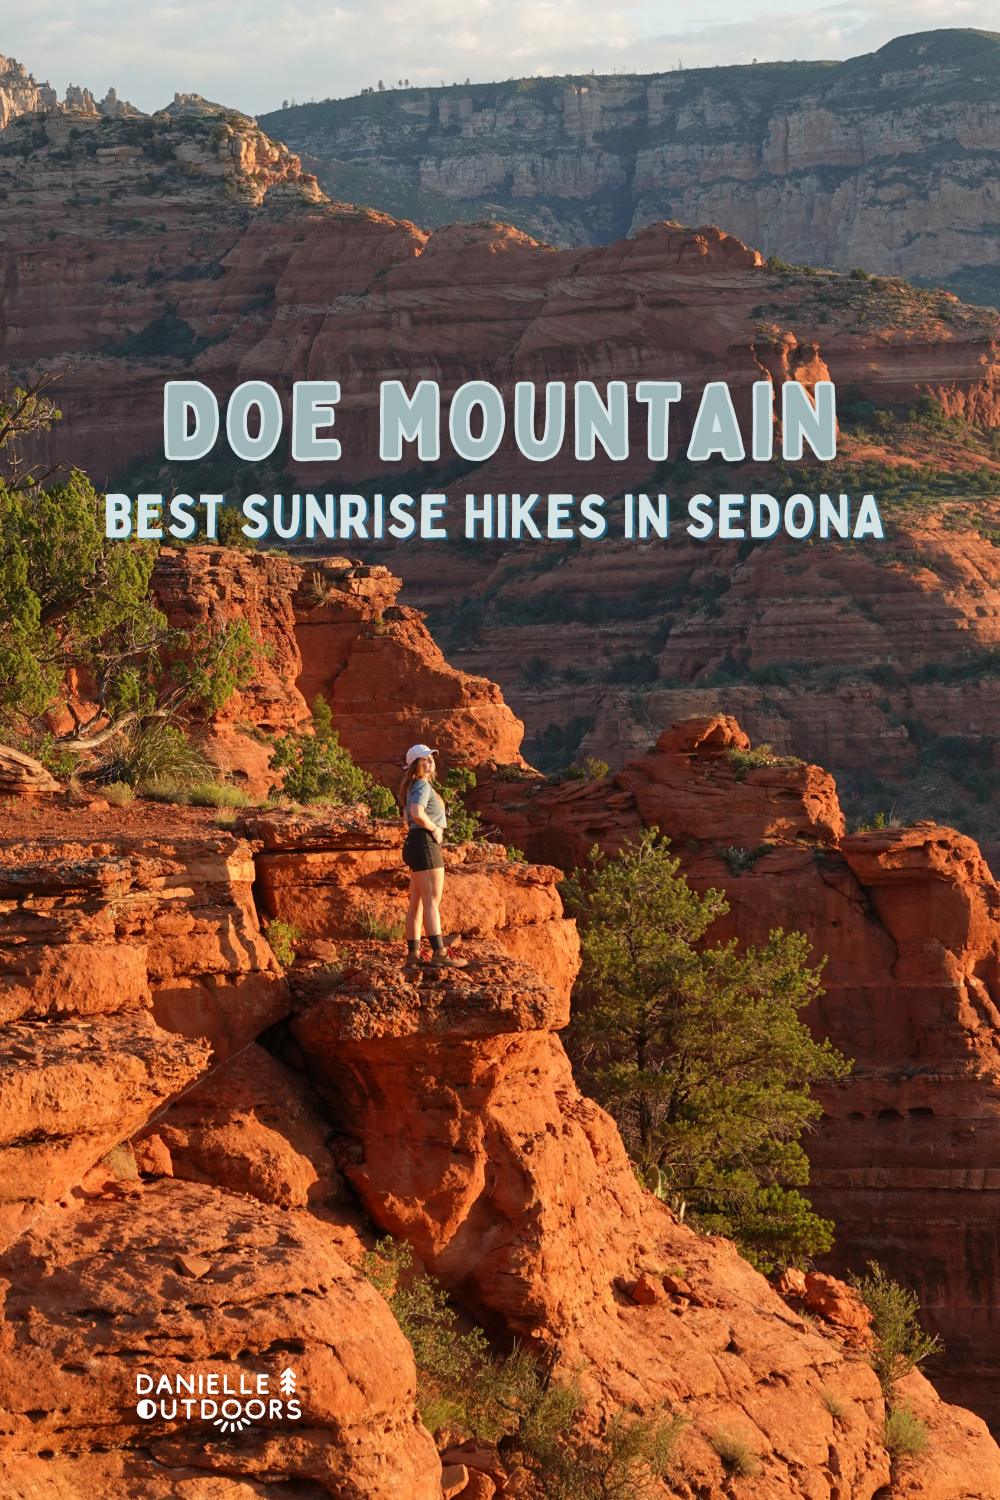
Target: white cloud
[259,52]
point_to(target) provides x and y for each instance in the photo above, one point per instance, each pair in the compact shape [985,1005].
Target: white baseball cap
[418,752]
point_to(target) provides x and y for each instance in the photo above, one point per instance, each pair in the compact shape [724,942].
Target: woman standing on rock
[425,824]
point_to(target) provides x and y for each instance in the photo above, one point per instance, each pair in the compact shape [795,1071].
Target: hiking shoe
[442,959]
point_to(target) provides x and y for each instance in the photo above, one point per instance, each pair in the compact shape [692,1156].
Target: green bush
[555,746]
[736,1453]
[118,794]
[592,769]
[165,790]
[900,1344]
[446,1360]
[281,936]
[740,860]
[154,753]
[316,767]
[905,1435]
[511,1401]
[217,794]
[743,761]
[516,856]
[225,820]
[632,1453]
[463,825]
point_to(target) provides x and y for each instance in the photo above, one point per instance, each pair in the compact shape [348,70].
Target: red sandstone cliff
[810,878]
[910,921]
[306,288]
[457,1122]
[332,628]
[447,1112]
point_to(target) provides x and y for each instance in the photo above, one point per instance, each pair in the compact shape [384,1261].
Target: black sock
[437,943]
[412,947]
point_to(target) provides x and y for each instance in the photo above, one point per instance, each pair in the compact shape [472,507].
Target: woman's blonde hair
[411,774]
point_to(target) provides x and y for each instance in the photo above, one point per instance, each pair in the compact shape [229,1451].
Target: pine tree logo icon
[287,1382]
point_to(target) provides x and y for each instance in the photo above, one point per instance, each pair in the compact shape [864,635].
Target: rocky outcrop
[226,1295]
[20,94]
[876,162]
[471,1140]
[341,876]
[23,776]
[126,967]
[909,923]
[249,1126]
[331,628]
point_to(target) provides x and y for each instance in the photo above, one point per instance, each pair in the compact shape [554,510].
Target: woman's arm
[419,816]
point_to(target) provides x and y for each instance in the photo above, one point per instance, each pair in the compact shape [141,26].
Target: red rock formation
[309,288]
[331,628]
[460,1126]
[124,966]
[473,1142]
[910,923]
[249,1126]
[187,1281]
[23,776]
[329,877]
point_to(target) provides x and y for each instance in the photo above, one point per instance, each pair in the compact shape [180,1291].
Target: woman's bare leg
[432,884]
[414,912]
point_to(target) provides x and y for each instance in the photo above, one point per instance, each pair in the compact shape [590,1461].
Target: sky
[255,54]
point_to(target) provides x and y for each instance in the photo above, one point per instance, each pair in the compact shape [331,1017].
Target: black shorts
[421,851]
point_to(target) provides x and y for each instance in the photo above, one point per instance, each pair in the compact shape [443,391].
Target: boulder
[23,776]
[190,1281]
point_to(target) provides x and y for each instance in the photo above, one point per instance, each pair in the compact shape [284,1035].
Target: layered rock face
[310,289]
[877,161]
[331,629]
[909,922]
[471,1140]
[125,967]
[874,661]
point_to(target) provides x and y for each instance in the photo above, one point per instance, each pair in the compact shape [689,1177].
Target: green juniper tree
[317,768]
[698,1052]
[74,603]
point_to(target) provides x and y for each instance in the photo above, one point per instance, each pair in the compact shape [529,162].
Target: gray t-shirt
[422,794]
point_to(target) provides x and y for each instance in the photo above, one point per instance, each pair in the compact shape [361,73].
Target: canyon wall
[136,251]
[909,922]
[877,661]
[886,161]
